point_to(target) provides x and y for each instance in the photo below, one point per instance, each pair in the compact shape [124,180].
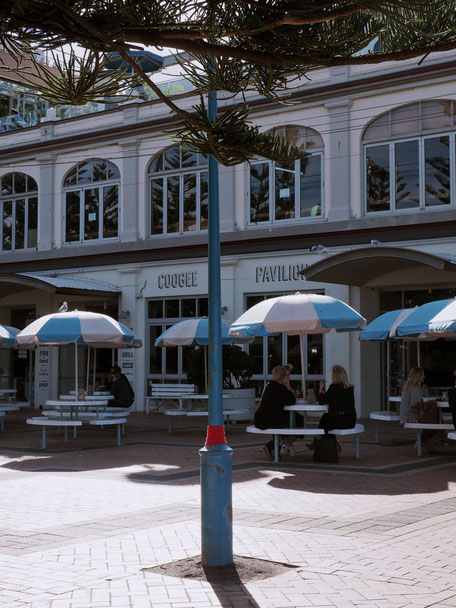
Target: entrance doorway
[21,360]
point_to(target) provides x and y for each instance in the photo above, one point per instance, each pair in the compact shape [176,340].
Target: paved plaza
[83,523]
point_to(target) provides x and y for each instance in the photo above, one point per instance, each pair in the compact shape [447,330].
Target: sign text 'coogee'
[178,279]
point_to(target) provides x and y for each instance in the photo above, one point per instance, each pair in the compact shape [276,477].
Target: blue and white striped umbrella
[385,326]
[434,319]
[297,315]
[76,327]
[8,335]
[191,332]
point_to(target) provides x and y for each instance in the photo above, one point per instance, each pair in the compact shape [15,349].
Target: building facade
[104,211]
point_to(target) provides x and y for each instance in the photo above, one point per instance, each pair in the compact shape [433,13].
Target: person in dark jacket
[270,413]
[340,400]
[121,390]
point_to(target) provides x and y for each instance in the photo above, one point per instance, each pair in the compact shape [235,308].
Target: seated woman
[410,410]
[270,413]
[340,400]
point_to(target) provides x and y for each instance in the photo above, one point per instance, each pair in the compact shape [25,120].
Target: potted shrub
[237,371]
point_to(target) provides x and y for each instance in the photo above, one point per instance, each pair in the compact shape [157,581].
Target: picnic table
[77,404]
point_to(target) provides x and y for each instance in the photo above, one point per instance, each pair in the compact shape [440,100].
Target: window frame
[421,139]
[14,199]
[297,197]
[99,185]
[197,171]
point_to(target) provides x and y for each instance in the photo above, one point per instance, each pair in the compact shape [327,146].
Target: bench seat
[384,416]
[356,430]
[120,422]
[196,413]
[168,392]
[46,423]
[422,426]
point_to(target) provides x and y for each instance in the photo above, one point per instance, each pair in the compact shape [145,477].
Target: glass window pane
[155,356]
[32,222]
[171,158]
[284,191]
[436,114]
[274,351]
[156,210]
[437,171]
[19,228]
[155,309]
[85,173]
[378,178]
[72,216]
[7,184]
[190,202]
[19,183]
[99,170]
[259,192]
[71,178]
[91,211]
[405,120]
[204,201]
[173,204]
[172,309]
[189,307]
[378,129]
[31,184]
[156,164]
[256,351]
[294,354]
[203,307]
[171,356]
[7,225]
[110,212]
[311,186]
[407,175]
[189,159]
[112,172]
[202,160]
[315,354]
[252,300]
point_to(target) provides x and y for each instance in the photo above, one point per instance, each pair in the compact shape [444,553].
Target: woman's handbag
[326,449]
[427,412]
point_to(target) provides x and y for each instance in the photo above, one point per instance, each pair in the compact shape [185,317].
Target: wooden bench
[384,416]
[421,426]
[195,413]
[168,392]
[277,432]
[46,423]
[120,422]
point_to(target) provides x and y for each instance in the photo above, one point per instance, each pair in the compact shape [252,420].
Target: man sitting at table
[121,390]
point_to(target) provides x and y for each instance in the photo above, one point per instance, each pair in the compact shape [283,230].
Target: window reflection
[19,211]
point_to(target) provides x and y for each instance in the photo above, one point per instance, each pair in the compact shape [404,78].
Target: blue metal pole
[216,455]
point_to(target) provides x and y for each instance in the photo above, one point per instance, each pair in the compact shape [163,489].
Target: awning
[379,266]
[15,283]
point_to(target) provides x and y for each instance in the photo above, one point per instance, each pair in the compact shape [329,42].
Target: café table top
[306,407]
[76,403]
[90,398]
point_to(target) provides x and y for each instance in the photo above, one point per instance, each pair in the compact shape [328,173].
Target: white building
[103,211]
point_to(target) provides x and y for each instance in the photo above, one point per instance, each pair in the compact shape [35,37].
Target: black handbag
[326,449]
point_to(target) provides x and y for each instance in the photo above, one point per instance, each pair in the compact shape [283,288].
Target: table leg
[376,432]
[418,443]
[119,434]
[357,447]
[43,437]
[66,433]
[276,448]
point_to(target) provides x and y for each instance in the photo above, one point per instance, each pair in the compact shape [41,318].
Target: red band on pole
[215,435]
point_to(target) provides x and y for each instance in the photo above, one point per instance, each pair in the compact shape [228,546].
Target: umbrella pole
[303,373]
[76,369]
[388,380]
[88,370]
[418,353]
[94,366]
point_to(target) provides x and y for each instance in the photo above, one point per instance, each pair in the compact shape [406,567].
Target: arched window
[409,154]
[19,211]
[281,192]
[91,192]
[178,192]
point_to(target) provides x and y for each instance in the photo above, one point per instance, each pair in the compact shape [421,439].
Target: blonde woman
[411,395]
[270,413]
[340,400]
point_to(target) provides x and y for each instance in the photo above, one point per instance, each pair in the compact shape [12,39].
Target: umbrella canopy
[8,335]
[385,326]
[76,327]
[191,332]
[299,314]
[434,319]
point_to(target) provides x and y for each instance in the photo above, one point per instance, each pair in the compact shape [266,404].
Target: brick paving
[82,523]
